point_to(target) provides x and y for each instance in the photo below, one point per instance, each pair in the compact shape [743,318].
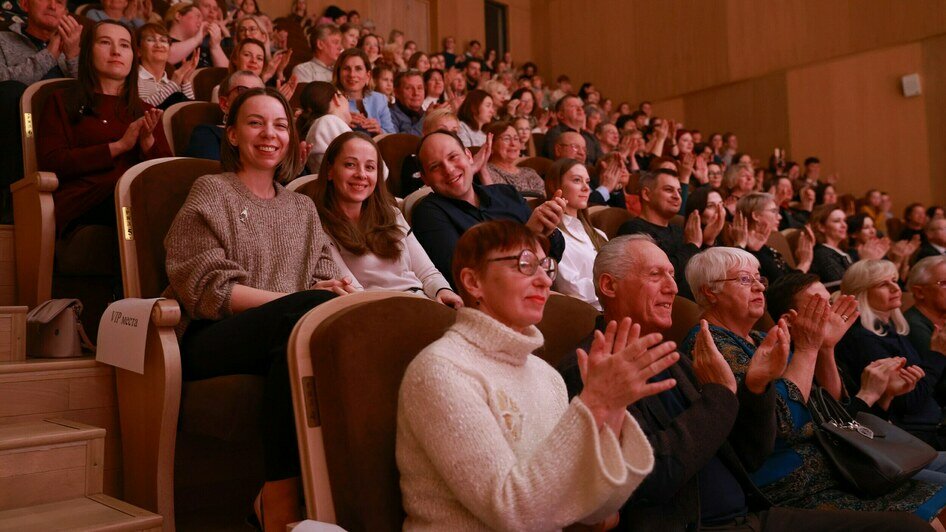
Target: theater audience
[797,473]
[369,109]
[371,239]
[737,182]
[91,135]
[762,215]
[372,47]
[708,202]
[571,117]
[46,48]
[708,432]
[383,76]
[186,28]
[476,111]
[206,139]
[882,332]
[502,161]
[526,106]
[154,86]
[526,140]
[326,47]
[407,112]
[212,48]
[660,202]
[582,240]
[457,203]
[566,462]
[350,35]
[927,320]
[418,61]
[230,288]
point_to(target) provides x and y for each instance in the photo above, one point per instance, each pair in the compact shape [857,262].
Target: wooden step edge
[100,513]
[48,364]
[46,432]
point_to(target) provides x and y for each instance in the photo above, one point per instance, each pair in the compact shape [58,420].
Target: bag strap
[47,311]
[84,340]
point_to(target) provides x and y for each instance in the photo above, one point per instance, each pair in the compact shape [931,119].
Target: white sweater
[486,438]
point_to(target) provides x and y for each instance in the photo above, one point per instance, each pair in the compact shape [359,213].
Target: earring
[478,301]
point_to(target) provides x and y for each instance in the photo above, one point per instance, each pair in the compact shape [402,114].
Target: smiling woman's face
[505,293]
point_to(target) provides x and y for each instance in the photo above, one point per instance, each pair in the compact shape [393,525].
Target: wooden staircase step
[47,364]
[94,512]
[48,461]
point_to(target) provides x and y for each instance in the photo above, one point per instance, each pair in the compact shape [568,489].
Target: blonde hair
[433,118]
[858,280]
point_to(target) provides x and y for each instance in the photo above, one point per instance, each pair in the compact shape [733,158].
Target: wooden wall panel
[637,50]
[852,115]
[465,20]
[933,82]
[756,110]
[675,109]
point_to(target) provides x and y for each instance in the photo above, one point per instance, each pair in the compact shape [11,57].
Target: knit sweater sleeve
[199,269]
[574,474]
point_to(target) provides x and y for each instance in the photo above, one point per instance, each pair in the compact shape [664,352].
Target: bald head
[571,145]
[634,279]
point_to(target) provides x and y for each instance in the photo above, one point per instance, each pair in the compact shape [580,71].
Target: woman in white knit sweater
[486,437]
[370,236]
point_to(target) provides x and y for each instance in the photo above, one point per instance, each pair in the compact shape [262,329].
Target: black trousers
[794,520]
[254,342]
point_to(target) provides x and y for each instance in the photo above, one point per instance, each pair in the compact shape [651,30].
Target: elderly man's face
[410,92]
[932,295]
[645,293]
[571,145]
[572,113]
[45,14]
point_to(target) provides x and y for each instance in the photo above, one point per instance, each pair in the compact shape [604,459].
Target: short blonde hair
[858,280]
[433,118]
[708,267]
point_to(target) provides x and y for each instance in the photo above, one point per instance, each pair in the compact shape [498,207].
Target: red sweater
[78,153]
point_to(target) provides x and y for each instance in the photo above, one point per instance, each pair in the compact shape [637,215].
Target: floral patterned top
[798,474]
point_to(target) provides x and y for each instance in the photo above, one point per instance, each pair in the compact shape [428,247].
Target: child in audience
[370,235]
[582,240]
[325,116]
[246,259]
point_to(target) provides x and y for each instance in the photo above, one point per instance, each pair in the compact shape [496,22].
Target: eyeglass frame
[763,280]
[550,269]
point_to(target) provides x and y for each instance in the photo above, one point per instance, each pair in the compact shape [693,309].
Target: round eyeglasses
[746,280]
[527,262]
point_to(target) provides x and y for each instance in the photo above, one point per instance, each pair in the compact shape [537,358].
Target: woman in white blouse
[154,86]
[370,235]
[582,240]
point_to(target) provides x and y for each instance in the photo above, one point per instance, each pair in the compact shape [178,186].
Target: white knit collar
[495,339]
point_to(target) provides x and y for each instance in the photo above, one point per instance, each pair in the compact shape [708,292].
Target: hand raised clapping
[770,358]
[709,366]
[618,367]
[547,216]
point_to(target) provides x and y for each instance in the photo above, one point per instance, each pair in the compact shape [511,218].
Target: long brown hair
[340,62]
[471,107]
[377,230]
[553,182]
[82,101]
[290,166]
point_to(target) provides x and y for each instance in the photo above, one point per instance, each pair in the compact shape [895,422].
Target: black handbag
[873,455]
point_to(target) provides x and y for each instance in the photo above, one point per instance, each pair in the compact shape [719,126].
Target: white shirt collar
[143,73]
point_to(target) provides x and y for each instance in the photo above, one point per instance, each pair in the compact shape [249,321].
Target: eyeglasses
[746,280]
[575,147]
[508,139]
[528,262]
[156,40]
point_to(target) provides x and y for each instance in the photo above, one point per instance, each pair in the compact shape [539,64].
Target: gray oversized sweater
[224,235]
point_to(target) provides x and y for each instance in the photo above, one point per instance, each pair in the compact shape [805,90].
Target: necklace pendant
[244,215]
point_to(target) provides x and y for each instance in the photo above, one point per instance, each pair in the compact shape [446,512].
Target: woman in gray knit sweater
[246,259]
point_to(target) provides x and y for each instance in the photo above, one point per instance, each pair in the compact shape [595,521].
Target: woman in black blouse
[762,215]
[830,261]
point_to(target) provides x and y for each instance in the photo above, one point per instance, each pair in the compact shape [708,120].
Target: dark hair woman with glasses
[486,437]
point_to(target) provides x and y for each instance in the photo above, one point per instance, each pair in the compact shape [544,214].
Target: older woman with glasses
[727,285]
[486,437]
[154,86]
[502,161]
[882,332]
[760,215]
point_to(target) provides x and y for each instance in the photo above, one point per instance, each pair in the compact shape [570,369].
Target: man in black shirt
[457,204]
[660,202]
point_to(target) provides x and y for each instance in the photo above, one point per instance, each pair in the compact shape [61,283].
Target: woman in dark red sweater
[91,135]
